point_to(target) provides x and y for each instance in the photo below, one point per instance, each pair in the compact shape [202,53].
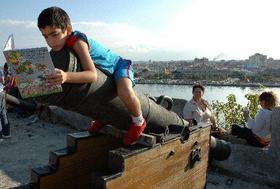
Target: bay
[212,93]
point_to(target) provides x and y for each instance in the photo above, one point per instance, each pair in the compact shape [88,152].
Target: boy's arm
[89,74]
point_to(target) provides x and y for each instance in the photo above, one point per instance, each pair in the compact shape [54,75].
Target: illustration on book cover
[30,68]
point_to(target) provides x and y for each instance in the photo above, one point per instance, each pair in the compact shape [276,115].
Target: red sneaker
[95,126]
[134,133]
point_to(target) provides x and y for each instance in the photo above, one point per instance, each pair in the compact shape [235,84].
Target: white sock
[138,120]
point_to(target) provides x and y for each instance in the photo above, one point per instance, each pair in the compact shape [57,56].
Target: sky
[157,29]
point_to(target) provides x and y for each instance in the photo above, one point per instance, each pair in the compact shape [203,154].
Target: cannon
[99,100]
[179,157]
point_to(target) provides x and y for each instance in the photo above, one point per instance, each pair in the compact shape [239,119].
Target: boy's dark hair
[269,98]
[54,17]
[198,86]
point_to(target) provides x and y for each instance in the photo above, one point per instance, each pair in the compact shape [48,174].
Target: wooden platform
[103,162]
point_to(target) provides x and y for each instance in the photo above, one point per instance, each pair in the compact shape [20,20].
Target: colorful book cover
[30,68]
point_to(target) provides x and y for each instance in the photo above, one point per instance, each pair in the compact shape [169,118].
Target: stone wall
[259,165]
[275,132]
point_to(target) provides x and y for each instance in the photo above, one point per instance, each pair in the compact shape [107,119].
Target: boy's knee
[126,93]
[124,87]
[125,90]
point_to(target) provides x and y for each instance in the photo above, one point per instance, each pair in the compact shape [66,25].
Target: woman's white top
[261,125]
[193,111]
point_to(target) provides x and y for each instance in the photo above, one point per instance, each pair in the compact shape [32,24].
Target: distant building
[201,60]
[251,66]
[258,60]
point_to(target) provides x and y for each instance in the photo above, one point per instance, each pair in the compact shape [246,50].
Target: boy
[55,26]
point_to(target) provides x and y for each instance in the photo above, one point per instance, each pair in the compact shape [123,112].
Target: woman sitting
[257,131]
[199,110]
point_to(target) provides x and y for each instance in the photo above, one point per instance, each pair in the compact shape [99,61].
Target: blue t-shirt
[102,57]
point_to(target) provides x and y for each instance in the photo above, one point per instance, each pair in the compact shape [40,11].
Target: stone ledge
[251,164]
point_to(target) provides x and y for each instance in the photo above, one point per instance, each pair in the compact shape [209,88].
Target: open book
[30,68]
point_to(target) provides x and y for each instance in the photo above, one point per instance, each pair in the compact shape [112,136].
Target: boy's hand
[58,77]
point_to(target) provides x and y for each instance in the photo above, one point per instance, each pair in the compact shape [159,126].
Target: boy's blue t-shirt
[102,57]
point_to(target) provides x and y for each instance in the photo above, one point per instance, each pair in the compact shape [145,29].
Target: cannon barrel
[99,100]
[219,149]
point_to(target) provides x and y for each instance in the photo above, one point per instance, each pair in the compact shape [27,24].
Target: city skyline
[159,29]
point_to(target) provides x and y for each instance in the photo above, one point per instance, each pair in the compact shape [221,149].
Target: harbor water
[212,93]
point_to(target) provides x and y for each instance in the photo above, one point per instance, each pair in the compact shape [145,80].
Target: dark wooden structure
[103,162]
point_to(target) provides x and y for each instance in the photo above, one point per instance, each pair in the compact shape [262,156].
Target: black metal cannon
[99,100]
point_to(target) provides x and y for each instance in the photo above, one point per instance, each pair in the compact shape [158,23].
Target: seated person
[1,78]
[9,81]
[6,71]
[10,85]
[198,109]
[257,131]
[4,122]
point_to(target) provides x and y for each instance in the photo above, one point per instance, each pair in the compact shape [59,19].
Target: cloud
[25,32]
[129,41]
[121,35]
[235,27]
[202,28]
[18,23]
[137,43]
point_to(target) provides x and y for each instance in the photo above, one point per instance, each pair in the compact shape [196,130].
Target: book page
[10,44]
[30,68]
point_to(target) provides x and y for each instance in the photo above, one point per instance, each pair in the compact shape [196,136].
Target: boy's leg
[124,80]
[247,134]
[128,96]
[239,131]
[6,130]
[132,103]
[252,140]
